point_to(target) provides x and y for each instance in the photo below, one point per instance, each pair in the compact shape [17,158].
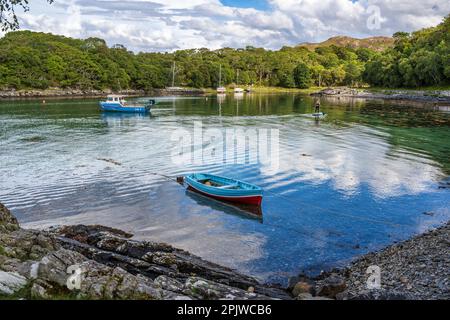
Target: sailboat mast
[220,76]
[173,74]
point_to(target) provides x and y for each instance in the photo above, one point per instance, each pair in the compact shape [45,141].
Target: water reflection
[356,181]
[245,211]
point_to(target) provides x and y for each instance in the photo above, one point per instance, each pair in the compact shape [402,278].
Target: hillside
[30,60]
[374,43]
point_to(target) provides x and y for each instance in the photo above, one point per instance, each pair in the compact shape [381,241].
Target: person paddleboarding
[317,107]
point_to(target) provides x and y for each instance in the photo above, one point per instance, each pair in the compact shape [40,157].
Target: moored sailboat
[221,89]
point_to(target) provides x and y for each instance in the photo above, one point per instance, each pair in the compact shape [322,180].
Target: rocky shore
[34,265]
[98,262]
[63,93]
[416,269]
[77,93]
[438,96]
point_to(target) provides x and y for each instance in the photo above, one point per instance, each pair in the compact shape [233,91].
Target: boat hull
[109,107]
[250,200]
[244,194]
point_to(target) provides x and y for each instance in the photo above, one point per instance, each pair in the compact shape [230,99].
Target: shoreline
[424,96]
[74,93]
[418,96]
[414,269]
[33,265]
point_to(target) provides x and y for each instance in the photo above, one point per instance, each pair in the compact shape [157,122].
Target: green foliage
[302,76]
[8,17]
[39,60]
[418,59]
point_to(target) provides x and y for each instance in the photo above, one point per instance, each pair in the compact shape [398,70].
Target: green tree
[353,72]
[302,76]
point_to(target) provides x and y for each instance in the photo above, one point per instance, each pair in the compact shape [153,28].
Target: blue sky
[257,4]
[167,25]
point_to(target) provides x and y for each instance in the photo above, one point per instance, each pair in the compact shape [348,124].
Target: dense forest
[40,61]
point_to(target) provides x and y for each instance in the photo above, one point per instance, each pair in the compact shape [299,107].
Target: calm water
[354,182]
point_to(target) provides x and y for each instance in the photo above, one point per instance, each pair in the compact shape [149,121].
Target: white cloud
[160,25]
[357,156]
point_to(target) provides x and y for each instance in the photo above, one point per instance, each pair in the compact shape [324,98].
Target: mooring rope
[295,203]
[178,180]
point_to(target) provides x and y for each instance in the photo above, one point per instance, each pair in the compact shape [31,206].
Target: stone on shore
[7,221]
[423,96]
[35,264]
[11,282]
[153,260]
[331,286]
[308,296]
[208,290]
[302,287]
[97,281]
[109,265]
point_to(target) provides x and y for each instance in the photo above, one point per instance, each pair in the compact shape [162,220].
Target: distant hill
[374,43]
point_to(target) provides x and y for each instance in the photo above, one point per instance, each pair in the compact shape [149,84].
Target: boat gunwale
[118,107]
[193,181]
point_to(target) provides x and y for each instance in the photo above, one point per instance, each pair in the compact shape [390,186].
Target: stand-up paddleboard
[319,115]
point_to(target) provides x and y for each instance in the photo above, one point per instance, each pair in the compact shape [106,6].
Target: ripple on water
[352,183]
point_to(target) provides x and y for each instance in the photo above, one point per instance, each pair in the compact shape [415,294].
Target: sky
[168,25]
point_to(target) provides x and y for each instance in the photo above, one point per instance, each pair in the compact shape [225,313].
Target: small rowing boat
[225,189]
[116,103]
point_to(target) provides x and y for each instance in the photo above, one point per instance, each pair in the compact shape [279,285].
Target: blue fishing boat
[225,189]
[116,103]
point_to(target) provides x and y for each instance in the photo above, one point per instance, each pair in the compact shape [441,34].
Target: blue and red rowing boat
[225,189]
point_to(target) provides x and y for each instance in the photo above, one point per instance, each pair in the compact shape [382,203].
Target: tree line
[38,60]
[418,59]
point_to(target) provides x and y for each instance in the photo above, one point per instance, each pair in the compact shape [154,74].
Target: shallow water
[356,181]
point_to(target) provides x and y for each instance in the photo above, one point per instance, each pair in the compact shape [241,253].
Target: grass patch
[425,89]
[56,294]
[24,293]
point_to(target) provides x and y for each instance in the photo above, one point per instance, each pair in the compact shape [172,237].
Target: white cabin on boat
[116,99]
